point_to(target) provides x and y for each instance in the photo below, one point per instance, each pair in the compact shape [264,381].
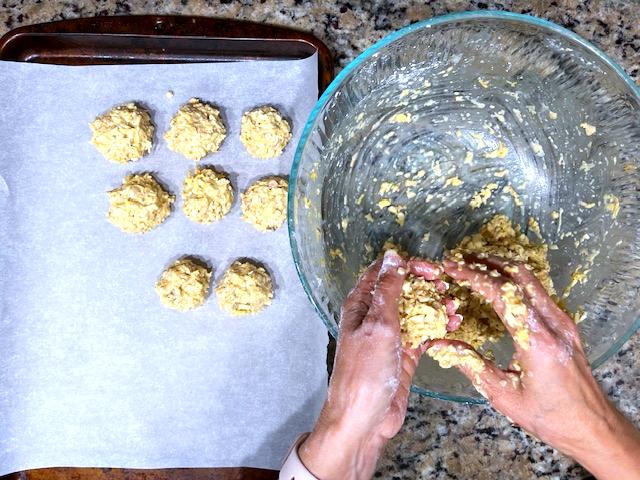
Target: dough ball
[139,204]
[184,285]
[244,288]
[123,134]
[264,132]
[421,310]
[207,195]
[264,203]
[196,130]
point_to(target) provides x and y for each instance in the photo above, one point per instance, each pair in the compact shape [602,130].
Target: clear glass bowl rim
[342,76]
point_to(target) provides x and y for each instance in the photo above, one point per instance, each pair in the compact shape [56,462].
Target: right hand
[548,388]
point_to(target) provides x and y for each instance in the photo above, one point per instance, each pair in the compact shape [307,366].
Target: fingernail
[391,259]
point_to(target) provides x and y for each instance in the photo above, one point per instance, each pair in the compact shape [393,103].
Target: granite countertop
[439,440]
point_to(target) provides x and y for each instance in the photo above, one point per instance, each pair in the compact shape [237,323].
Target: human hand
[548,388]
[369,388]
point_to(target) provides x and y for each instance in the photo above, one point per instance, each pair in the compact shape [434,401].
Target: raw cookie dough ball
[139,204]
[123,134]
[264,203]
[422,313]
[196,130]
[184,285]
[244,288]
[264,132]
[207,195]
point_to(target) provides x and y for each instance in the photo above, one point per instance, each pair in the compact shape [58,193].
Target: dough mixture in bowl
[480,322]
[245,288]
[264,132]
[264,203]
[123,134]
[184,285]
[196,130]
[139,204]
[207,195]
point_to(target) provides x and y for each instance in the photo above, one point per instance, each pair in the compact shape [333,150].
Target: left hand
[369,388]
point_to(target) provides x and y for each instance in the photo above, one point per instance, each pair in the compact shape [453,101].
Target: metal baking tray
[158,39]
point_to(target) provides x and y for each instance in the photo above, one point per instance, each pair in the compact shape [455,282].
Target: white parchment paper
[93,370]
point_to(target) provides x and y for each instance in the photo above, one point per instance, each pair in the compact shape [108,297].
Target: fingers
[422,268]
[357,303]
[432,272]
[455,319]
[408,365]
[505,297]
[555,317]
[387,290]
[492,382]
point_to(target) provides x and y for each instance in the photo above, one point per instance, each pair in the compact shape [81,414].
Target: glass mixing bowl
[416,125]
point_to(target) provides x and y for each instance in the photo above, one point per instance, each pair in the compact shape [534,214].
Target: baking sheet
[93,370]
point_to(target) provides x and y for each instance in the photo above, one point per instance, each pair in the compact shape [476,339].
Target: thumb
[384,304]
[489,380]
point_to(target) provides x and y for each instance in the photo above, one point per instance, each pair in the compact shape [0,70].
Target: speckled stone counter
[440,440]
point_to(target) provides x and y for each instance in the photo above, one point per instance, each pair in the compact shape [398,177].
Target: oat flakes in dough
[196,130]
[207,195]
[123,134]
[264,203]
[245,288]
[139,204]
[184,285]
[480,323]
[421,311]
[264,132]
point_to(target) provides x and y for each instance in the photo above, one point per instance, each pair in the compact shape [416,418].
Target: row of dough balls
[245,287]
[125,133]
[141,204]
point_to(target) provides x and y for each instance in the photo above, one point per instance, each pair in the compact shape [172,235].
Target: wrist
[610,450]
[335,452]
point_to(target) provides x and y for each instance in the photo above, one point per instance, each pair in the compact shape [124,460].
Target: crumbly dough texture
[207,195]
[264,132]
[480,323]
[184,285]
[450,356]
[139,204]
[123,134]
[264,203]
[421,311]
[196,130]
[245,288]
[500,238]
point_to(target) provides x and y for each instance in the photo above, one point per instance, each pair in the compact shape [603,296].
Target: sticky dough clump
[207,195]
[139,204]
[421,311]
[422,316]
[264,203]
[123,134]
[184,285]
[196,130]
[264,132]
[500,238]
[245,288]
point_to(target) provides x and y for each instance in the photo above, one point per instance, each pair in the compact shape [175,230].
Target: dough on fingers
[139,204]
[264,203]
[123,134]
[184,285]
[196,130]
[264,132]
[245,288]
[422,313]
[207,195]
